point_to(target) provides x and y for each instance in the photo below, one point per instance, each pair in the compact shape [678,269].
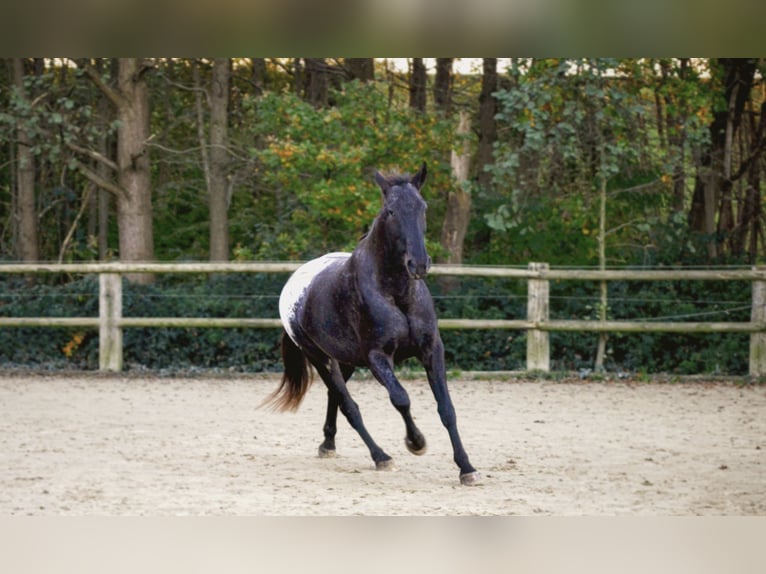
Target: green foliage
[302,177]
[59,111]
[315,167]
[553,229]
[56,111]
[301,184]
[483,298]
[177,348]
[570,124]
[257,350]
[718,353]
[219,296]
[43,346]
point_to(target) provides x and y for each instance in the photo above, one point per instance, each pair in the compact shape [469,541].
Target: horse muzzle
[418,269]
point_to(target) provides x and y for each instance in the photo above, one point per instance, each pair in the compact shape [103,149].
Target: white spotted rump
[291,298]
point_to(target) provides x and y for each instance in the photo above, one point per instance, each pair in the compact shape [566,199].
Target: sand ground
[87,444]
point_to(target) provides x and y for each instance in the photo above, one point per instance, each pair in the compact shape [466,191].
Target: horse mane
[398,178]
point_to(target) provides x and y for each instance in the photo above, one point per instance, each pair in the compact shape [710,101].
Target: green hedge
[714,353]
[257,350]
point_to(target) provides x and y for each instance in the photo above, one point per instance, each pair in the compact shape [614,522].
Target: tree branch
[93,155]
[100,181]
[758,147]
[111,94]
[198,92]
[68,239]
[146,65]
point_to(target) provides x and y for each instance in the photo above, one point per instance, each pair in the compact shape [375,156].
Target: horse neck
[388,267]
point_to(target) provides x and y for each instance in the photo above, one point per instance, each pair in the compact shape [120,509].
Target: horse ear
[419,178]
[382,182]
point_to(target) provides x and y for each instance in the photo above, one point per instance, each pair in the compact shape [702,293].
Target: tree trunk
[134,205]
[750,220]
[443,85]
[298,74]
[260,79]
[418,85]
[26,215]
[458,212]
[218,190]
[712,191]
[317,82]
[106,147]
[603,302]
[361,69]
[748,228]
[133,183]
[726,209]
[487,124]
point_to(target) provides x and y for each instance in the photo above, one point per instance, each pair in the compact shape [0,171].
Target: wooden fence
[110,321]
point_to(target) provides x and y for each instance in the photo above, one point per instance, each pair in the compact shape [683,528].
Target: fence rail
[110,321]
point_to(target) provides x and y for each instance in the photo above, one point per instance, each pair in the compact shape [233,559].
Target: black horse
[370,308]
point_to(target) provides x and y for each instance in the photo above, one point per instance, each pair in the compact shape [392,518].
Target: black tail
[296,379]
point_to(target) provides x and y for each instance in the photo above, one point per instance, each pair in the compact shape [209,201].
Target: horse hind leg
[335,378]
[327,448]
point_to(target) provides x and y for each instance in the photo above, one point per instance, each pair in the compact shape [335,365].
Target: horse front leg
[433,361]
[382,369]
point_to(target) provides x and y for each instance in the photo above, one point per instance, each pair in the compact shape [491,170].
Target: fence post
[110,313]
[538,345]
[758,340]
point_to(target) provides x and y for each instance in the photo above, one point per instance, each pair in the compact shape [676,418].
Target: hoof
[385,465]
[326,452]
[470,478]
[413,449]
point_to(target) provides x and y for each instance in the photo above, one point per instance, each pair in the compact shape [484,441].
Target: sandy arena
[89,444]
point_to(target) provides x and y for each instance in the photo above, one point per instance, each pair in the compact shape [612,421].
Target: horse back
[305,281]
[317,308]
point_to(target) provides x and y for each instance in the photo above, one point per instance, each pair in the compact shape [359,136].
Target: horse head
[404,219]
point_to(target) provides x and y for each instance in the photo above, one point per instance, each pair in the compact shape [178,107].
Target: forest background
[573,162]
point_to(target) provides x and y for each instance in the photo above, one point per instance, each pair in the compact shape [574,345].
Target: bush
[44,347]
[257,350]
[153,348]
